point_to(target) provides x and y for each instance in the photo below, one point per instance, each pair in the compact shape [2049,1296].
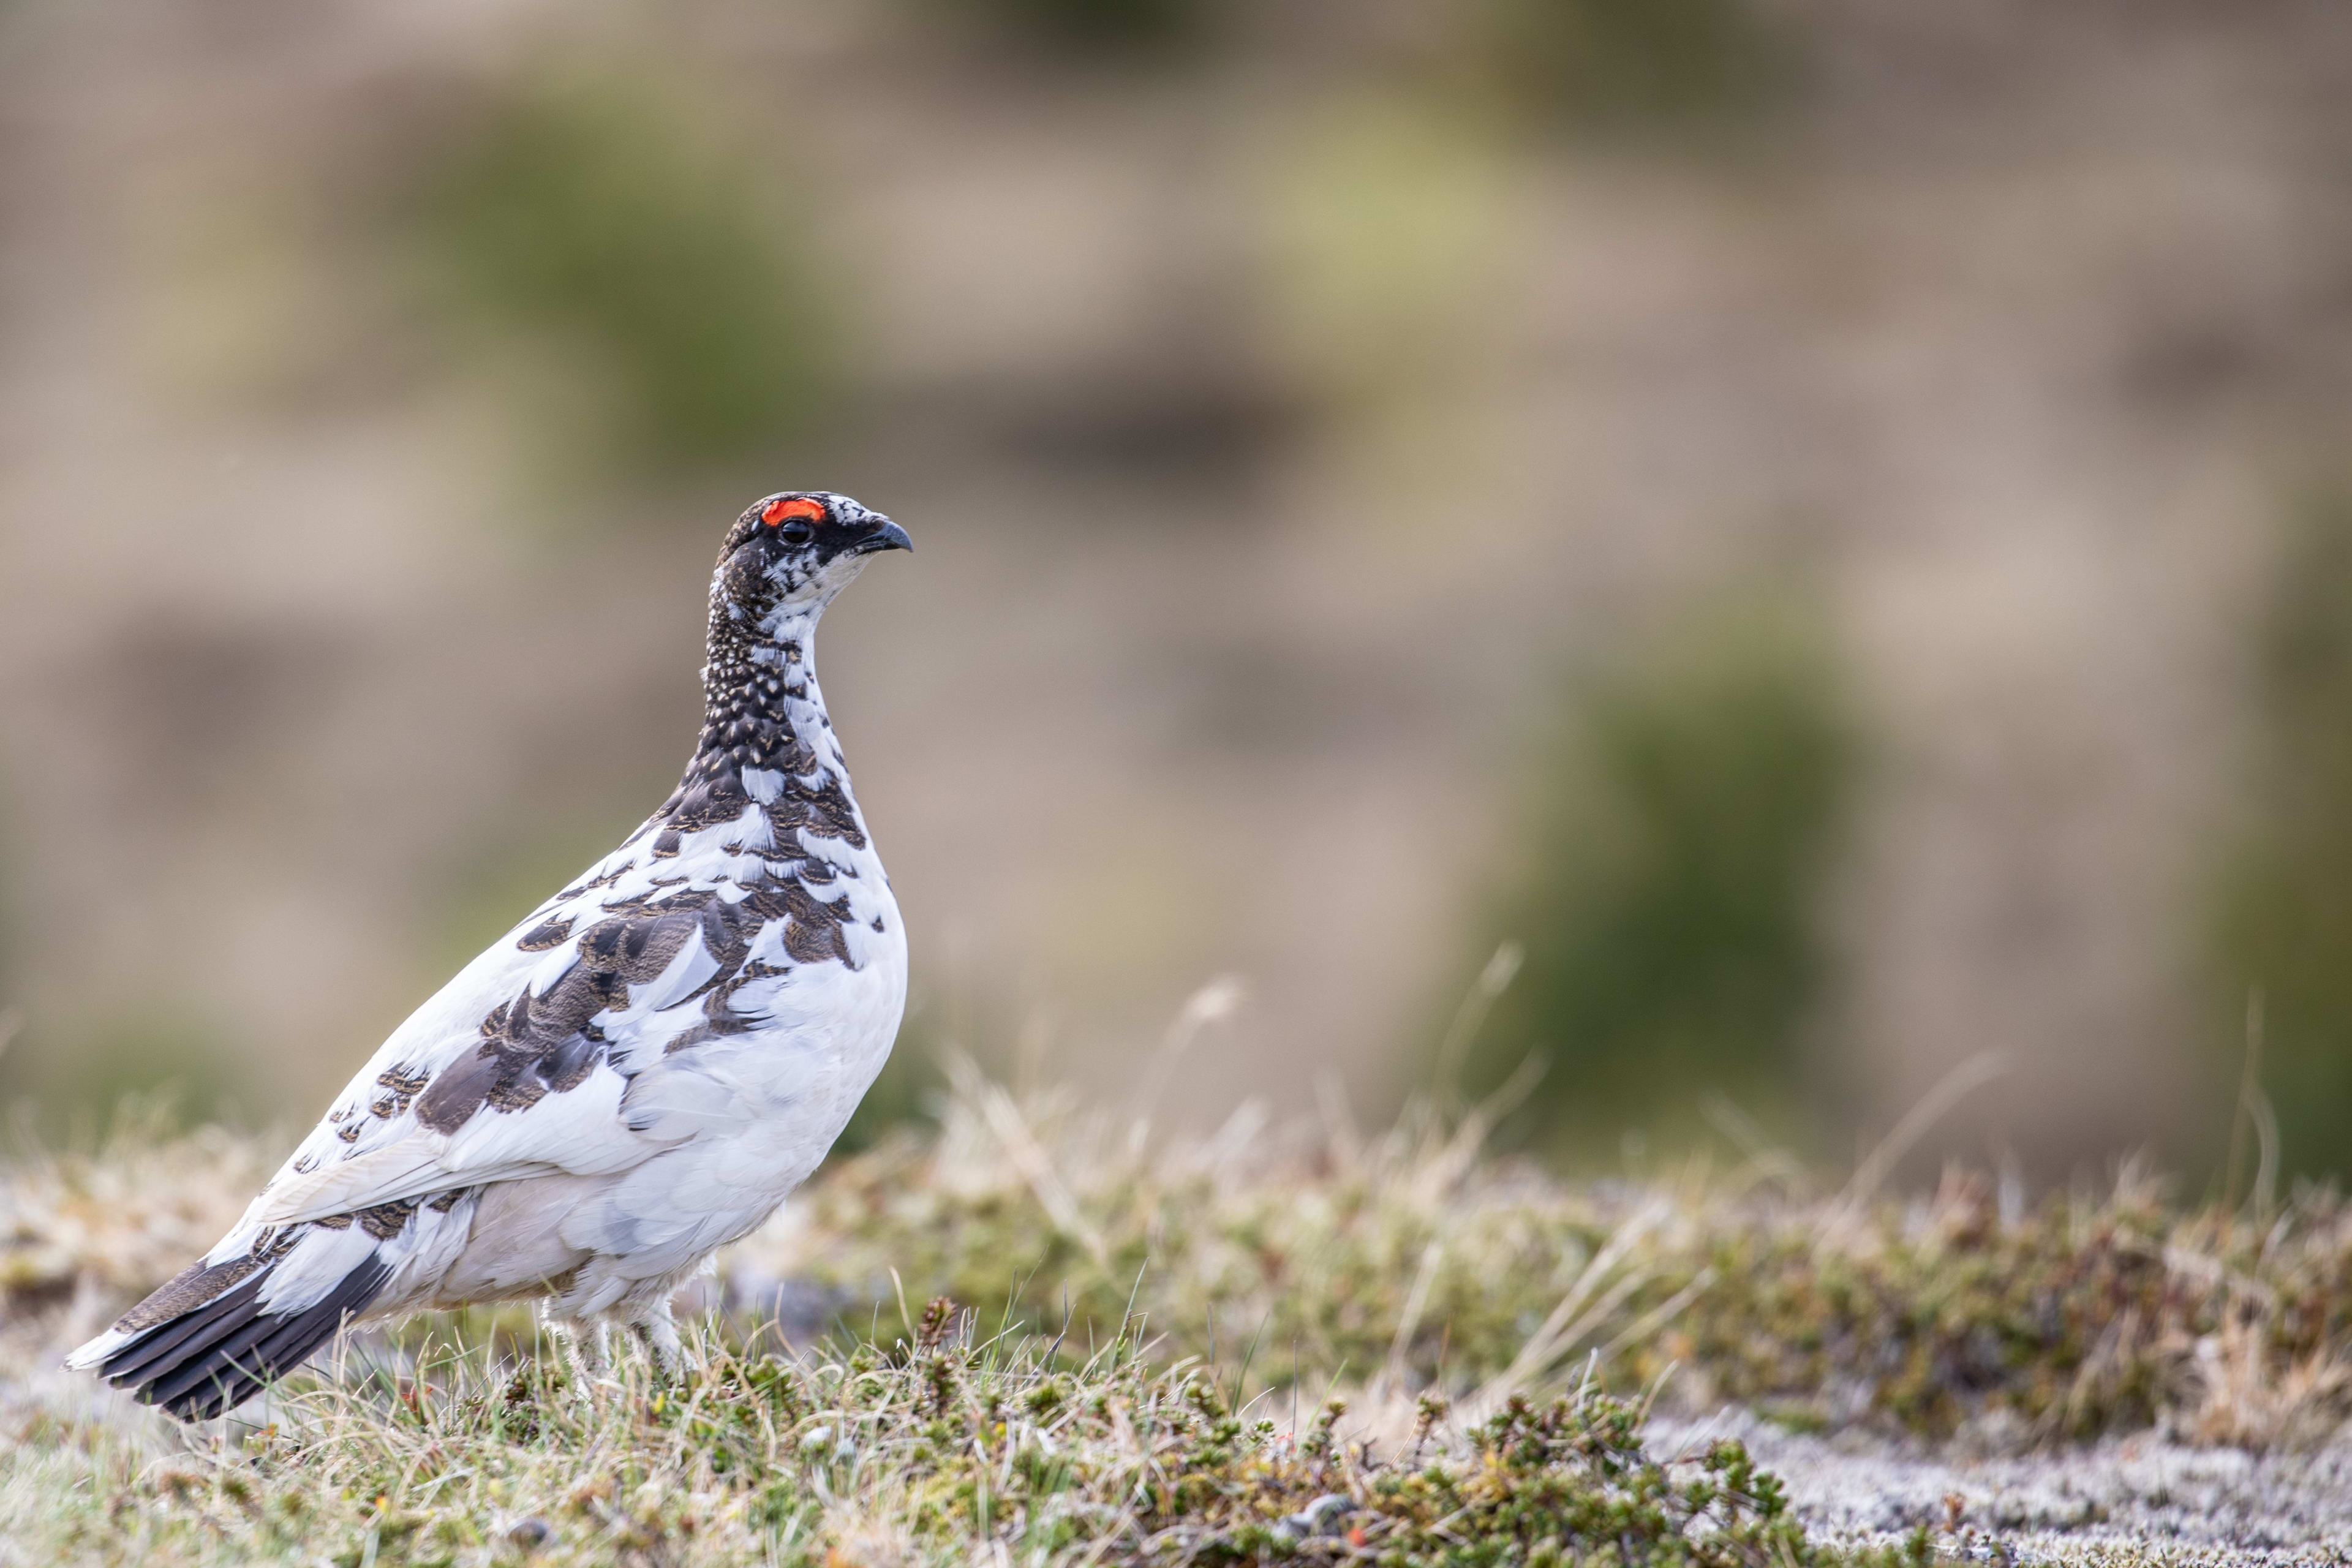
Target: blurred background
[1744,552]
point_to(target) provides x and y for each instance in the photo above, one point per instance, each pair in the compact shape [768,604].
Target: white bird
[635,1076]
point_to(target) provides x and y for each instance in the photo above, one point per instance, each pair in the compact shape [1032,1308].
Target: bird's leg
[585,1347]
[656,1330]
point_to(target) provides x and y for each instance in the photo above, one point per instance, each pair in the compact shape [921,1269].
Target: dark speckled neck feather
[762,716]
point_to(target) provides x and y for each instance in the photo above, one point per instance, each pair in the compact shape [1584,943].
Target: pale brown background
[1273,431]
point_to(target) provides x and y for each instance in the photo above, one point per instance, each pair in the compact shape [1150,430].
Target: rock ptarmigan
[635,1076]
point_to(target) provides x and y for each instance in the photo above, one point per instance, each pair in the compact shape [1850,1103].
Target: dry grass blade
[1028,1156]
[1934,1106]
[1558,1333]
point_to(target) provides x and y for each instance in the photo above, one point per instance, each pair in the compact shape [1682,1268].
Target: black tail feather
[220,1354]
[200,1373]
[174,1340]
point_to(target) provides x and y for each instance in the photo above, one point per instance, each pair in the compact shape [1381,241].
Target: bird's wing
[518,1066]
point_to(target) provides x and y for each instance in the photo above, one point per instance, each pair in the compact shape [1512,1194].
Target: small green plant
[1669,898]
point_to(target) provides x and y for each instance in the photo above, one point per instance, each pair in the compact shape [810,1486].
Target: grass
[941,1447]
[1146,1365]
[1408,1261]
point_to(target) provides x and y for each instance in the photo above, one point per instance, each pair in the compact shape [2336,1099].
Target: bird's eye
[793,518]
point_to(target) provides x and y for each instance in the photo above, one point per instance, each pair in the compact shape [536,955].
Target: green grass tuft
[940,1449]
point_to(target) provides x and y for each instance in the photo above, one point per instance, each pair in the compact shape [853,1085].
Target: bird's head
[791,553]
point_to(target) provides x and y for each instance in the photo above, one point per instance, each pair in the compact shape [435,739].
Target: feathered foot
[656,1330]
[587,1348]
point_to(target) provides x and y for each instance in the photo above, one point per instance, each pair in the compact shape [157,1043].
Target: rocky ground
[2135,1499]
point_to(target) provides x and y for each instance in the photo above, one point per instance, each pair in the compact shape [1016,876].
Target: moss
[2080,1316]
[937,1449]
[1407,1265]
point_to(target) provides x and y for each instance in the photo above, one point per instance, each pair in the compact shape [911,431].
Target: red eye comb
[777,511]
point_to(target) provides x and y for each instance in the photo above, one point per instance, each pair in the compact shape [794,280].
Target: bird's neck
[766,737]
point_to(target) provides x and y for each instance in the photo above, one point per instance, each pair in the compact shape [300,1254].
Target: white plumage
[635,1075]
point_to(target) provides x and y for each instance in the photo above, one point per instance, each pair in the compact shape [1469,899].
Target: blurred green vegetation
[2285,923]
[1670,900]
[1629,63]
[676,269]
[908,1091]
[510,864]
[1655,62]
[1389,219]
[63,1080]
[66,1083]
[1124,27]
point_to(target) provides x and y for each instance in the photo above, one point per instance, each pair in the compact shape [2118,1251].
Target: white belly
[748,1118]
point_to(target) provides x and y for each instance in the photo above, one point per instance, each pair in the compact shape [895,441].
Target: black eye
[796,532]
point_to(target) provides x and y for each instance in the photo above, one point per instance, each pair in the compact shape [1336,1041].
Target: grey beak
[890,536]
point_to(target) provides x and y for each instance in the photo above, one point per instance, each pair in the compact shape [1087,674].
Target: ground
[1306,1342]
